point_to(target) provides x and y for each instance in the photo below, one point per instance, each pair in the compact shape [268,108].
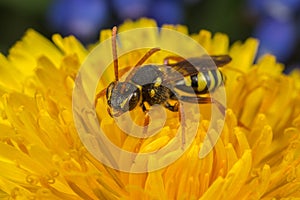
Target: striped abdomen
[201,83]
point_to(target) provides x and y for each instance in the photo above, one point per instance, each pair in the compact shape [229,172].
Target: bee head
[122,97]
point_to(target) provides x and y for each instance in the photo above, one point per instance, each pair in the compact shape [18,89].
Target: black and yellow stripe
[201,83]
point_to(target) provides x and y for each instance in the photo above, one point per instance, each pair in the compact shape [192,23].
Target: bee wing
[192,66]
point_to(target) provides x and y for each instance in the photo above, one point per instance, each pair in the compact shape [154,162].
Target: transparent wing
[192,66]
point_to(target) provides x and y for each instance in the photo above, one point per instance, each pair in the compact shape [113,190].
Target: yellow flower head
[43,157]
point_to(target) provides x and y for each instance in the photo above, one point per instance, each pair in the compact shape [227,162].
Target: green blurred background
[16,16]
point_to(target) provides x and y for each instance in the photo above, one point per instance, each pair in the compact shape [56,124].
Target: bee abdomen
[201,83]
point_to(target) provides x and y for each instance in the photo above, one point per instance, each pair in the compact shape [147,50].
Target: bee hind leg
[183,125]
[204,100]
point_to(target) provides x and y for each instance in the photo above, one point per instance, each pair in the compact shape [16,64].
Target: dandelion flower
[42,156]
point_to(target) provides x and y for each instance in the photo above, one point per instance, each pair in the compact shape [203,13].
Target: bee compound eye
[134,99]
[110,89]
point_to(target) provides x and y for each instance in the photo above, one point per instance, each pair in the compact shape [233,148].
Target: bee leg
[145,129]
[99,95]
[147,118]
[196,99]
[203,100]
[146,123]
[175,108]
[183,125]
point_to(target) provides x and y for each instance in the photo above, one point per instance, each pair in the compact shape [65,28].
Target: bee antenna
[114,52]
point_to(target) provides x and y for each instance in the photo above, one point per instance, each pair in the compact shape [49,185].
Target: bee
[156,84]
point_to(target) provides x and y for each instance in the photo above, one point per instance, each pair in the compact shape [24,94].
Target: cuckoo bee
[156,84]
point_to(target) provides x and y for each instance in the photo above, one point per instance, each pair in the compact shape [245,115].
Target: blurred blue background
[275,22]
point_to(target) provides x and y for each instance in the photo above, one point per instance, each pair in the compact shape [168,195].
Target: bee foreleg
[146,123]
[147,118]
[99,95]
